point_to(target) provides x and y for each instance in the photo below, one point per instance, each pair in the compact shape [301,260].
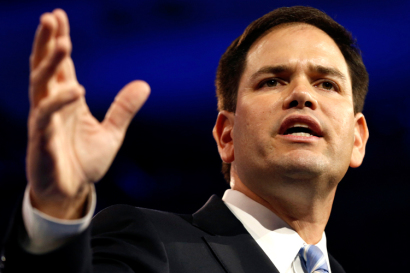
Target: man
[290,93]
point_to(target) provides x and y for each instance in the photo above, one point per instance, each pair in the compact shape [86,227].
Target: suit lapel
[335,266]
[231,244]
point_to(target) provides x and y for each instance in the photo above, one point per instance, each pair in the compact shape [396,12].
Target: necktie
[313,260]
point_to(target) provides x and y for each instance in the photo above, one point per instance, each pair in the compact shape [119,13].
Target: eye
[328,85]
[269,83]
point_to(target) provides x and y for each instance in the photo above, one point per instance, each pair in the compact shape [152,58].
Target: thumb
[125,105]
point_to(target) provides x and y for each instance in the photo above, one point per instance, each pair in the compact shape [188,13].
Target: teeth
[302,134]
[300,125]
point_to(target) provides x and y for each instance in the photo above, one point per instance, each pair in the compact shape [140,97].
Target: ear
[361,135]
[222,133]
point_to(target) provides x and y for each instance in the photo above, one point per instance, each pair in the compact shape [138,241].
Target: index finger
[63,24]
[41,45]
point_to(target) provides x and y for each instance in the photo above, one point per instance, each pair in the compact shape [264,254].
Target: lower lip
[299,139]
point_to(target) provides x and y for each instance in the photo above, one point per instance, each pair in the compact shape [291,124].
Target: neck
[301,205]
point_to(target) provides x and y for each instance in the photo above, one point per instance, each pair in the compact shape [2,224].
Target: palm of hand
[68,148]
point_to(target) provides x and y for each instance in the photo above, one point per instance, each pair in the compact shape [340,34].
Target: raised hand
[67,147]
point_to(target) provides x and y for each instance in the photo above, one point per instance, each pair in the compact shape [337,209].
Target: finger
[63,30]
[67,71]
[126,104]
[40,77]
[48,106]
[63,24]
[43,39]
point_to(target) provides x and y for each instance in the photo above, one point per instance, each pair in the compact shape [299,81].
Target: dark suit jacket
[128,239]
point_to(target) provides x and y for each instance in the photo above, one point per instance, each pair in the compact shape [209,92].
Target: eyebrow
[277,69]
[324,70]
[319,69]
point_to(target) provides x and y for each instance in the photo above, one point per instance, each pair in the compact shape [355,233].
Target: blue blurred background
[169,160]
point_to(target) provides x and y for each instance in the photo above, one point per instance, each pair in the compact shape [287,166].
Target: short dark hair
[233,61]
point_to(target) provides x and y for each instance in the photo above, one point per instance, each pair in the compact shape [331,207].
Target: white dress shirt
[280,243]
[276,238]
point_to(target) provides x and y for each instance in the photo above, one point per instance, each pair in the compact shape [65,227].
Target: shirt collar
[277,239]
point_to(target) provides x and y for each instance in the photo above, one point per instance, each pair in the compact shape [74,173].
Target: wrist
[62,207]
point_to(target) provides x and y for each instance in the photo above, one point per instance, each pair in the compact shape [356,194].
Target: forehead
[295,45]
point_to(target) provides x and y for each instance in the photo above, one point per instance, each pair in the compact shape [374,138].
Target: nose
[299,97]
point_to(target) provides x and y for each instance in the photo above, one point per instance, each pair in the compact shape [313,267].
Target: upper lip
[312,124]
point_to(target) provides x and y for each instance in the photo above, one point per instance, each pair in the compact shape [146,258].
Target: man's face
[294,115]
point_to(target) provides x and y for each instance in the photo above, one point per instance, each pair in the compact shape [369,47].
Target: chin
[302,167]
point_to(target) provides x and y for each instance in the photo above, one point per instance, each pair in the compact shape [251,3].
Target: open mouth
[300,130]
[304,126]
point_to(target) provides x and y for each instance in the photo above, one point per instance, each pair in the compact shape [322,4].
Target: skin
[295,70]
[68,149]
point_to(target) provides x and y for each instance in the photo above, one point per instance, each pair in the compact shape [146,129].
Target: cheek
[341,124]
[255,115]
[340,113]
[247,126]
[253,126]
